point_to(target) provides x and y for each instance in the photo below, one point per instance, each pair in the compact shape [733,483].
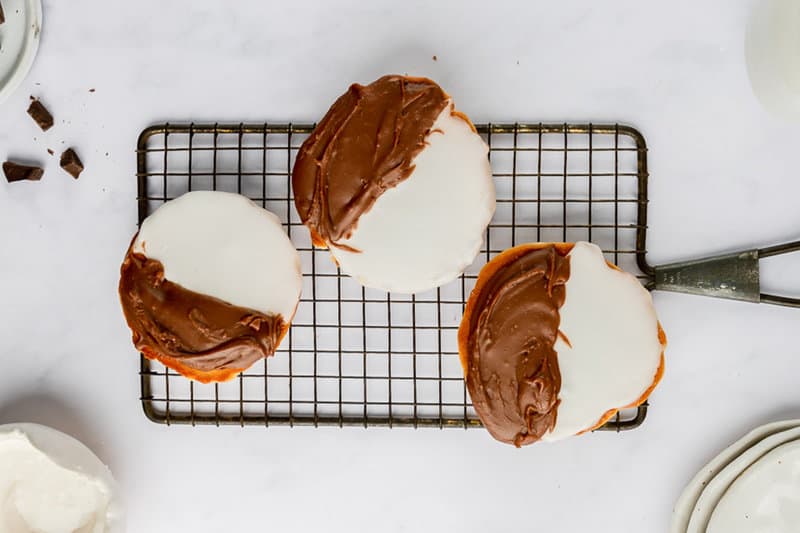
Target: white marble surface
[724,175]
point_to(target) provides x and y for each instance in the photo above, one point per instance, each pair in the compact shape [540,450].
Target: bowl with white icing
[52,483]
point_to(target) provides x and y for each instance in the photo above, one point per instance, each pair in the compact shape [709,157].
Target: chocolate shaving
[2,16]
[40,114]
[17,172]
[71,163]
[49,151]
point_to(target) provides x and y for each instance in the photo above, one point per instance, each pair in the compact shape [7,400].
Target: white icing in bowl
[51,483]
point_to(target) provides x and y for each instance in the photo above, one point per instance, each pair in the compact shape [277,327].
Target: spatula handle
[733,276]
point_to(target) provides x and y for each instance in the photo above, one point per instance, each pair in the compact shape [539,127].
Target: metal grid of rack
[362,357]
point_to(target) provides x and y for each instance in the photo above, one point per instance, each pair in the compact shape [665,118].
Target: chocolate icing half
[198,335]
[364,145]
[512,369]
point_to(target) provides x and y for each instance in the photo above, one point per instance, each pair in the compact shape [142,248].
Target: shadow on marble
[56,412]
[767,416]
[787,412]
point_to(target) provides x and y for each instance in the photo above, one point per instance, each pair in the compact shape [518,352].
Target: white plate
[711,495]
[688,498]
[766,497]
[74,455]
[19,41]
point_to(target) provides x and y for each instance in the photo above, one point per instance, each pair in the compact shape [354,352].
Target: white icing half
[765,498]
[51,483]
[427,230]
[223,245]
[609,320]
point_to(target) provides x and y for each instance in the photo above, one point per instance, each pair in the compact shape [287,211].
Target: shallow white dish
[714,490]
[688,498]
[70,453]
[765,497]
[19,39]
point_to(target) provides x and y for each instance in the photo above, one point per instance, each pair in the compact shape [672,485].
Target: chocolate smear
[200,336]
[513,375]
[364,146]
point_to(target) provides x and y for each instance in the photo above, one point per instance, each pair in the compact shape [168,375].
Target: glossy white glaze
[223,245]
[613,352]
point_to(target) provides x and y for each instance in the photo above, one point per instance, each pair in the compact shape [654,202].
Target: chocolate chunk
[16,172]
[49,151]
[71,163]
[41,115]
[2,16]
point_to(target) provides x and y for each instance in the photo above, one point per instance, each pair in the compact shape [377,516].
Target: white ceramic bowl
[70,453]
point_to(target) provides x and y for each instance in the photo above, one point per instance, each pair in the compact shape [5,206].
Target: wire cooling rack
[357,356]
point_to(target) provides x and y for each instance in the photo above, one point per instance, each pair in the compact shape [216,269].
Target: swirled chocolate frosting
[511,365]
[198,335]
[365,145]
